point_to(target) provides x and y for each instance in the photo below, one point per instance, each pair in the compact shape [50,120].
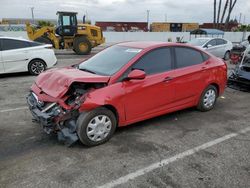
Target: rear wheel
[96,127]
[36,67]
[208,99]
[82,46]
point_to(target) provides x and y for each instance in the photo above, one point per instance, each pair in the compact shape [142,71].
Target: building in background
[123,26]
[173,27]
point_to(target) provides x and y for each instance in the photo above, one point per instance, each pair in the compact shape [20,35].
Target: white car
[20,55]
[216,46]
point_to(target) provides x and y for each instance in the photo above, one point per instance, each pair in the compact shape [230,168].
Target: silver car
[216,46]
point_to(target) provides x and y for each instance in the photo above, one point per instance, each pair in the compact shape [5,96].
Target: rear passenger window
[10,44]
[186,57]
[34,44]
[205,56]
[156,61]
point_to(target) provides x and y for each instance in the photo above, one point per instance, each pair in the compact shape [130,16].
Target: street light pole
[32,14]
[166,17]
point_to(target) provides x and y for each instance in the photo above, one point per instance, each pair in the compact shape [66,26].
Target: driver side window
[155,61]
[211,42]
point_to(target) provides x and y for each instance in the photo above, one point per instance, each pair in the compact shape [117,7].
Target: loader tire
[82,46]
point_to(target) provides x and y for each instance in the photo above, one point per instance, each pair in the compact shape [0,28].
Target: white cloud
[121,10]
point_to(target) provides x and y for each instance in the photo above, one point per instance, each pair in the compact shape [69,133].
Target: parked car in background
[124,84]
[20,55]
[244,43]
[216,46]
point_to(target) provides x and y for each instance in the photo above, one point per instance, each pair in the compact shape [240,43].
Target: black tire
[82,41]
[227,56]
[36,66]
[43,40]
[85,119]
[203,106]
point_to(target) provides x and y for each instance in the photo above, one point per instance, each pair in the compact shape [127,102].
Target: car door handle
[167,79]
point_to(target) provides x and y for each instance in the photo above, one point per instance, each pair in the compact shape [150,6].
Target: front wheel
[208,99]
[96,127]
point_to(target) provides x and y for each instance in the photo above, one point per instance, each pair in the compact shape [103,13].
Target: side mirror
[136,75]
[208,46]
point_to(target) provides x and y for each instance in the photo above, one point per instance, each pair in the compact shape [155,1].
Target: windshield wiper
[86,70]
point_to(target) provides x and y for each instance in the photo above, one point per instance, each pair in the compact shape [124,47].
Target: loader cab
[67,24]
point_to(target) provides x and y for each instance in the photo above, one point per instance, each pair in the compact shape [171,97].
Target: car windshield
[110,60]
[198,42]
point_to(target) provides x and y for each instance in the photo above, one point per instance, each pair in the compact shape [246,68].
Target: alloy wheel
[37,67]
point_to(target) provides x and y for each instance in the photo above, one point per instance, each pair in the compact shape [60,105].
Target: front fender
[111,95]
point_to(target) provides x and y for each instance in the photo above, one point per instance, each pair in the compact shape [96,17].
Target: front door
[152,95]
[213,48]
[1,63]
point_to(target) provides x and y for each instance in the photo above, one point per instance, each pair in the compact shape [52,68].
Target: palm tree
[218,15]
[215,13]
[224,12]
[231,6]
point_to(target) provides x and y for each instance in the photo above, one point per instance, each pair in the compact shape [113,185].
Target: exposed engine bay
[59,119]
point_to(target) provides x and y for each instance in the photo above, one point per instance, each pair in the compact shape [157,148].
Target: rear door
[190,75]
[15,55]
[1,59]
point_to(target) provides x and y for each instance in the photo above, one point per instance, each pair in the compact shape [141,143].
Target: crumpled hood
[56,82]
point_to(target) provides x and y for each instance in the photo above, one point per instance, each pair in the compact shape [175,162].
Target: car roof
[15,38]
[209,38]
[148,44]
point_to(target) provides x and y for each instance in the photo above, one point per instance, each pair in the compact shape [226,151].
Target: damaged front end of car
[59,115]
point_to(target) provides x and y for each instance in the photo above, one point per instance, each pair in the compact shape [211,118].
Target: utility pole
[166,17]
[32,14]
[148,11]
[240,18]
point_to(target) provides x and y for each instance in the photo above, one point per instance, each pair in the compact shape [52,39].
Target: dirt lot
[31,158]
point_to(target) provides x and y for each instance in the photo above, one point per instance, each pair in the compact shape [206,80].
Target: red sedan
[124,84]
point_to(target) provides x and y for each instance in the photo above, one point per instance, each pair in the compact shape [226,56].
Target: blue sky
[121,10]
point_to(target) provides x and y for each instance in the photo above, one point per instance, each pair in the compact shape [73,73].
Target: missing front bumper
[66,130]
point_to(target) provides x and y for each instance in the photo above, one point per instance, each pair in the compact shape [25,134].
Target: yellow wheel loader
[68,34]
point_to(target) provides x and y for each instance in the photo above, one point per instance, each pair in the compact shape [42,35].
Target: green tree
[45,23]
